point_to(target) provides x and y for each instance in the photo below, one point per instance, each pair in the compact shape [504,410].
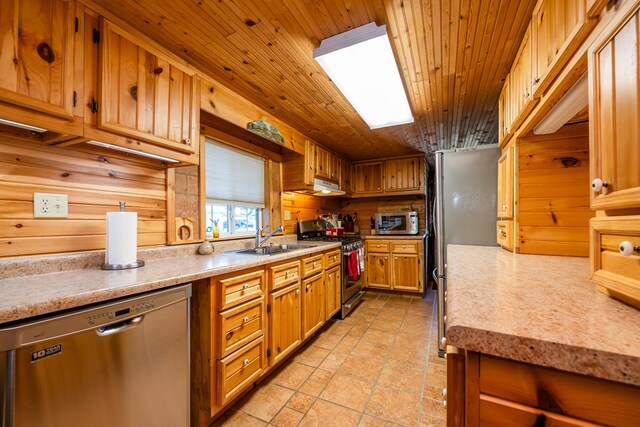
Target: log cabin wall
[303,206]
[187,196]
[368,207]
[553,187]
[94,182]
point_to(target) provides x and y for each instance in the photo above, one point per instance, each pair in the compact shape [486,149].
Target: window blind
[233,176]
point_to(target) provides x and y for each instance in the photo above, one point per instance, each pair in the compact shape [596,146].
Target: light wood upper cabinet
[558,29]
[520,92]
[615,106]
[506,183]
[403,174]
[36,57]
[347,177]
[504,113]
[327,164]
[145,95]
[369,178]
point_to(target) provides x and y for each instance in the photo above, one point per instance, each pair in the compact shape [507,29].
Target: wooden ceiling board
[453,56]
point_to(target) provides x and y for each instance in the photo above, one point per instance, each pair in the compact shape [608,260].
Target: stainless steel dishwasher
[123,363]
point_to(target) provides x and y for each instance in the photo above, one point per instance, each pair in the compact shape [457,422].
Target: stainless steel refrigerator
[465,211]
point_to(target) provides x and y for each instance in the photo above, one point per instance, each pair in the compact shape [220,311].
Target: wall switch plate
[287,215]
[50,205]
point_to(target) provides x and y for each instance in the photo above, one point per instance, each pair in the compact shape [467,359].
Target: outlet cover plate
[47,205]
[287,215]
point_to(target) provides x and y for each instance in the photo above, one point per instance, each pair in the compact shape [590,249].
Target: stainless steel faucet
[260,240]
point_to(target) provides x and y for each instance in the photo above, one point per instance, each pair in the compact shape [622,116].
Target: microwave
[397,222]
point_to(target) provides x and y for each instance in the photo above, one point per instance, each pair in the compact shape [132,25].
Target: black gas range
[352,250]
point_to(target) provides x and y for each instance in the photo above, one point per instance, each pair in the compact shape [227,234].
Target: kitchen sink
[272,249]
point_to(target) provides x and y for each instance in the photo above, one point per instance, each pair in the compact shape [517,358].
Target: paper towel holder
[137,264]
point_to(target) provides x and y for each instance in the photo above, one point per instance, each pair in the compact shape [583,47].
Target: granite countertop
[27,295]
[539,309]
[394,236]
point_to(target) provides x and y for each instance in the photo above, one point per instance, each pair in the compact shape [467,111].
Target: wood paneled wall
[368,207]
[302,206]
[553,207]
[188,196]
[95,183]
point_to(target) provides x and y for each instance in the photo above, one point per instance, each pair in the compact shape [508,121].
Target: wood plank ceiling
[453,56]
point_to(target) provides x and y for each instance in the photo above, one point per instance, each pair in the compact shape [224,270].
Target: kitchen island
[529,317]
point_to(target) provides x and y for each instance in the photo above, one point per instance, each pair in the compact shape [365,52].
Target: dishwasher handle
[115,328]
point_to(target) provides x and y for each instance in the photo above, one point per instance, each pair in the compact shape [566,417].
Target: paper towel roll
[122,238]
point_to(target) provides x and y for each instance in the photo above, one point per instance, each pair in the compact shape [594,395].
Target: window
[235,190]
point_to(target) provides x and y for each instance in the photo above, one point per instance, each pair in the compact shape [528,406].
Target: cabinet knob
[245,362]
[187,141]
[597,184]
[443,341]
[627,248]
[444,392]
[246,319]
[395,257]
[444,403]
[308,287]
[286,273]
[385,257]
[504,207]
[297,292]
[245,286]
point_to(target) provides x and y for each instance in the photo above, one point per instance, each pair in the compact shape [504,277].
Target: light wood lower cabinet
[313,305]
[332,290]
[285,322]
[394,264]
[489,391]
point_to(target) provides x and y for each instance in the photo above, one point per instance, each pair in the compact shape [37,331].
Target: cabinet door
[542,22]
[378,271]
[322,162]
[406,272]
[403,174]
[346,177]
[614,102]
[144,95]
[313,305]
[332,292]
[36,57]
[505,183]
[520,81]
[369,178]
[504,116]
[285,322]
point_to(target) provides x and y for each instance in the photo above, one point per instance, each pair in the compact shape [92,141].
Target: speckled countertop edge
[542,310]
[393,237]
[36,295]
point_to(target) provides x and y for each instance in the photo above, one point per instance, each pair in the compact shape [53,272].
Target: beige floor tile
[266,401]
[376,303]
[233,418]
[352,337]
[371,314]
[324,414]
[327,340]
[411,343]
[401,377]
[343,348]
[394,405]
[427,420]
[311,355]
[333,361]
[321,376]
[347,391]
[437,380]
[412,359]
[369,421]
[436,369]
[312,387]
[433,392]
[301,402]
[383,337]
[366,368]
[339,328]
[370,349]
[434,408]
[384,324]
[287,417]
[293,375]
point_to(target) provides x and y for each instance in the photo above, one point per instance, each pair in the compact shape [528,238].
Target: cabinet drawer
[497,413]
[615,274]
[560,392]
[404,247]
[239,326]
[312,265]
[377,246]
[504,235]
[234,290]
[283,275]
[239,370]
[332,259]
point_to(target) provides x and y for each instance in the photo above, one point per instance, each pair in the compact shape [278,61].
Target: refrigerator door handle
[434,274]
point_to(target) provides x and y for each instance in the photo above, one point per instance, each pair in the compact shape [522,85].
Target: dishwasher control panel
[107,315]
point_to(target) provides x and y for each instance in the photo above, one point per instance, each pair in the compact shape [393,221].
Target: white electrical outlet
[50,205]
[287,215]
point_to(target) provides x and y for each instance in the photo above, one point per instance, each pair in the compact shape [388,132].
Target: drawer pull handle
[246,319]
[229,335]
[286,273]
[245,362]
[627,248]
[245,286]
[598,184]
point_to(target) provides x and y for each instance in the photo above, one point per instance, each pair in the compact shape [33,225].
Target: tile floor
[377,367]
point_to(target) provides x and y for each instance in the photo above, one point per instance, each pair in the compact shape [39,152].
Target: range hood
[326,188]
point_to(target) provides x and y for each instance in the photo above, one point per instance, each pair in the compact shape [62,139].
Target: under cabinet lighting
[361,64]
[571,104]
[129,150]
[22,126]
